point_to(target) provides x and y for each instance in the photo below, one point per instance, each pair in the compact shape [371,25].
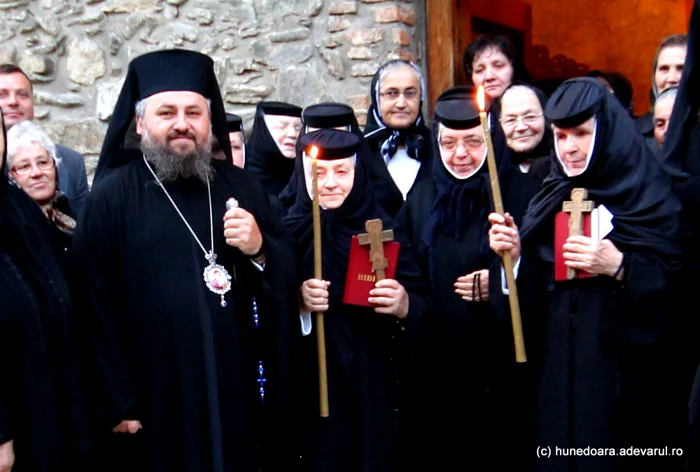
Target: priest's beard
[170,166]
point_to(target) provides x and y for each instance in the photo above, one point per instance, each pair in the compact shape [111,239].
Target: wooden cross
[375,237]
[576,208]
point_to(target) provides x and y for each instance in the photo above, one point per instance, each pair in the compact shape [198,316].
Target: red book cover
[561,233]
[360,279]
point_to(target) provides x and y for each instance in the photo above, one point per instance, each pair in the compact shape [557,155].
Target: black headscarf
[622,174]
[338,226]
[386,140]
[544,147]
[155,72]
[681,150]
[264,157]
[457,200]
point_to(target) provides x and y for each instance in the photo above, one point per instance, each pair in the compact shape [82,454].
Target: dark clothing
[366,351]
[603,345]
[164,349]
[72,179]
[41,404]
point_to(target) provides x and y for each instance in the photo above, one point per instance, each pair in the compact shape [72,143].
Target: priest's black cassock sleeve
[165,351]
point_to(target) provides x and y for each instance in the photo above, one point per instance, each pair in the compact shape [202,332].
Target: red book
[561,233]
[360,279]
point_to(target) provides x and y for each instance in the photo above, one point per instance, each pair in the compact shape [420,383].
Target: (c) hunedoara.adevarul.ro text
[545,452]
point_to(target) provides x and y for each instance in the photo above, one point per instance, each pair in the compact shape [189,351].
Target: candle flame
[481,98]
[313,152]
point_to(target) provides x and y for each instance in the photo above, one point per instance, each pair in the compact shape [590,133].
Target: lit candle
[318,274]
[520,355]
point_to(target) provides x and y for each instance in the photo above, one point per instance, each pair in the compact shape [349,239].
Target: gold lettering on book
[366,278]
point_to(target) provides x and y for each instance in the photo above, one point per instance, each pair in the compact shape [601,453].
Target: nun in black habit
[42,420]
[466,406]
[320,116]
[364,346]
[528,136]
[197,354]
[271,159]
[603,342]
[397,134]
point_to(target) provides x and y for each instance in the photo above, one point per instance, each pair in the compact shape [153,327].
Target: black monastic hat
[280,108]
[328,115]
[155,72]
[575,101]
[456,108]
[234,123]
[331,143]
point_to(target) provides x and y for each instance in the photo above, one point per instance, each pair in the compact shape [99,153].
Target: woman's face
[574,144]
[492,69]
[35,171]
[399,97]
[285,131]
[335,181]
[462,150]
[237,149]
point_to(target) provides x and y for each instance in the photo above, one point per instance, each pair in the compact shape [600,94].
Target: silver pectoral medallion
[217,278]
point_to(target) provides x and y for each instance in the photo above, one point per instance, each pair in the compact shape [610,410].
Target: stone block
[361,53]
[343,8]
[363,37]
[336,24]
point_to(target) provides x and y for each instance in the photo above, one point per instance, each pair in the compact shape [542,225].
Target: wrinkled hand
[7,456]
[596,257]
[128,426]
[390,298]
[503,235]
[314,296]
[241,231]
[464,287]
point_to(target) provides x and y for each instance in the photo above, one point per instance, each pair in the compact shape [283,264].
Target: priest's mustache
[176,134]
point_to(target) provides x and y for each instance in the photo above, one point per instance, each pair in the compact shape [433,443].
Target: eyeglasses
[41,164]
[470,144]
[529,119]
[393,94]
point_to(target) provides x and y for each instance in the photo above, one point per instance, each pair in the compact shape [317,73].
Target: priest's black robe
[164,349]
[41,402]
[366,352]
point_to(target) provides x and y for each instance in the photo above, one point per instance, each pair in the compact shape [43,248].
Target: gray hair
[26,134]
[140,107]
[669,93]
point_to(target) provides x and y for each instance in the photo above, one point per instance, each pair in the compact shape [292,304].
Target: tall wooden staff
[318,274]
[520,355]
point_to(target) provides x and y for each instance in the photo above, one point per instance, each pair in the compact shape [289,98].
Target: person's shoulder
[68,154]
[122,176]
[645,123]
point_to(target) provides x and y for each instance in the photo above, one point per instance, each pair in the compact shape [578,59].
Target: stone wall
[76,52]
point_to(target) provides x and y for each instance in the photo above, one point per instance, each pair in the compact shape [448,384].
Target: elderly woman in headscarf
[33,166]
[42,421]
[397,134]
[602,300]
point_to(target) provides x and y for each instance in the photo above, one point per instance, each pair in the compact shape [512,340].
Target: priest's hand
[473,287]
[128,426]
[503,235]
[390,297]
[314,296]
[7,456]
[596,257]
[242,232]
